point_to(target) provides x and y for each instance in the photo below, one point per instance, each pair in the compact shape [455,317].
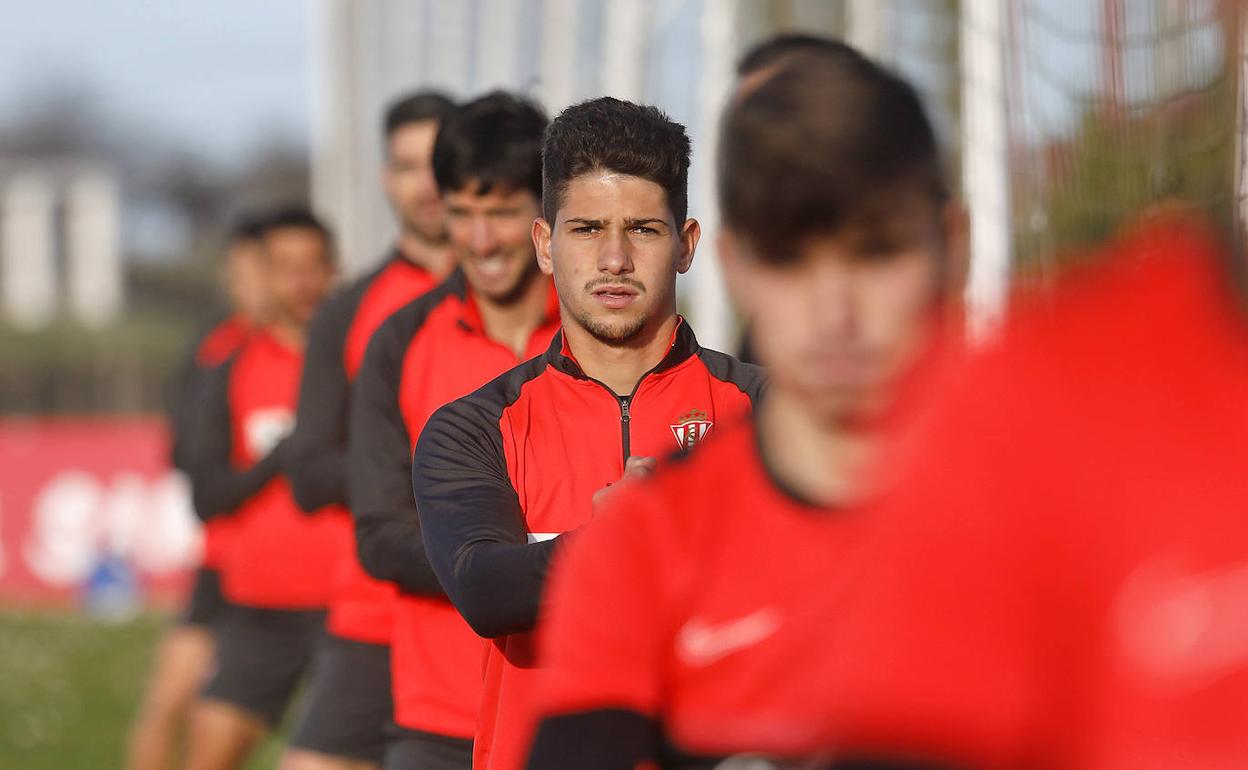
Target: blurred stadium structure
[1061,117]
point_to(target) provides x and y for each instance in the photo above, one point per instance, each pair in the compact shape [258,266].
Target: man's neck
[823,462]
[620,367]
[432,256]
[514,323]
[289,333]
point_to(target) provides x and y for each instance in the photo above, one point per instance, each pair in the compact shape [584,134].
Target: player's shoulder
[484,407]
[750,379]
[404,323]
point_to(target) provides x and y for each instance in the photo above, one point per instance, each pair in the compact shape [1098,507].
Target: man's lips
[615,297]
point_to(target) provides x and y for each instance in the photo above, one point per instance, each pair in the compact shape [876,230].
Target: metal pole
[866,26]
[709,305]
[985,160]
[499,36]
[625,35]
[558,61]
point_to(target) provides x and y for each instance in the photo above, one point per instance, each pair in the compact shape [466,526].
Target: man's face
[244,280]
[839,324]
[409,181]
[490,237]
[299,272]
[614,250]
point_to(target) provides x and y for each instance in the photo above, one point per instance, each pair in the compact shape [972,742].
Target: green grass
[68,687]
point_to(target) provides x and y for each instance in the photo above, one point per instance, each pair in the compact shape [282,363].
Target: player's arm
[217,486]
[607,623]
[474,528]
[181,401]
[317,452]
[379,473]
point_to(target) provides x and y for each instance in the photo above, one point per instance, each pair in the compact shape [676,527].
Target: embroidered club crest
[691,429]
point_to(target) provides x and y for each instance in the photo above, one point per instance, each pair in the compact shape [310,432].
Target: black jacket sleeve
[217,487]
[379,468]
[606,739]
[318,447]
[181,402]
[474,528]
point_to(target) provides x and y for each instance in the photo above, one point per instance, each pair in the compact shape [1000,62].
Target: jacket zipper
[625,417]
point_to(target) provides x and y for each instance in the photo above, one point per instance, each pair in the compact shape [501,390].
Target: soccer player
[185,651]
[684,618]
[277,570]
[1067,589]
[349,705]
[496,311]
[499,474]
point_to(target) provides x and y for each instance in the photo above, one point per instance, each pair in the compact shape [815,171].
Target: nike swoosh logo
[541,537]
[1185,629]
[701,644]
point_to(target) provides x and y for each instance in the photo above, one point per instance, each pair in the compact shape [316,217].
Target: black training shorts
[348,709]
[262,654]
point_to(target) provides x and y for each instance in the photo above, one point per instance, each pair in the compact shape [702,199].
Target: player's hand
[634,468]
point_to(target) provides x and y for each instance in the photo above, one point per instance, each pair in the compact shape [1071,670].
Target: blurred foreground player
[185,652]
[349,704]
[1067,588]
[684,618]
[498,475]
[278,568]
[496,311]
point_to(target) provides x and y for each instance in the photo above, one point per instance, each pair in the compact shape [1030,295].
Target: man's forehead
[606,194]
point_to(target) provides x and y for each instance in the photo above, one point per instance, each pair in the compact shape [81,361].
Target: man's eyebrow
[584,221]
[644,221]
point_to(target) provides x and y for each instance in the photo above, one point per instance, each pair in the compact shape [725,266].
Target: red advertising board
[79,496]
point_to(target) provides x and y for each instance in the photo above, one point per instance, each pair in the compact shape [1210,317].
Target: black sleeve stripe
[317,456]
[389,540]
[474,528]
[749,378]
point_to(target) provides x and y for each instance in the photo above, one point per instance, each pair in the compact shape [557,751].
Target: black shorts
[348,709]
[414,750]
[206,606]
[261,656]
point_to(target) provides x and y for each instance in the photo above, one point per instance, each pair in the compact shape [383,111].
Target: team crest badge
[691,429]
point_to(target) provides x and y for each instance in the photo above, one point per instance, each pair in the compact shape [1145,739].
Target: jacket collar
[684,345]
[470,314]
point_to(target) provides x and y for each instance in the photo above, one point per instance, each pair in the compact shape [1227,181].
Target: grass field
[68,687]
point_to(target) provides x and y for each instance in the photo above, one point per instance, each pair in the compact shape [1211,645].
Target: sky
[222,75]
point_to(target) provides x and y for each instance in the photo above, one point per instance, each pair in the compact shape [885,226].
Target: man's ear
[541,245]
[690,234]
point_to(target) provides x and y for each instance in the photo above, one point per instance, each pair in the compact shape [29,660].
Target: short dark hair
[300,217]
[827,136]
[416,107]
[778,49]
[613,135]
[246,227]
[494,140]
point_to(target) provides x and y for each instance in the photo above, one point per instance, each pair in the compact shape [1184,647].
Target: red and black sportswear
[361,608]
[1067,587]
[208,351]
[500,473]
[681,617]
[431,352]
[278,557]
